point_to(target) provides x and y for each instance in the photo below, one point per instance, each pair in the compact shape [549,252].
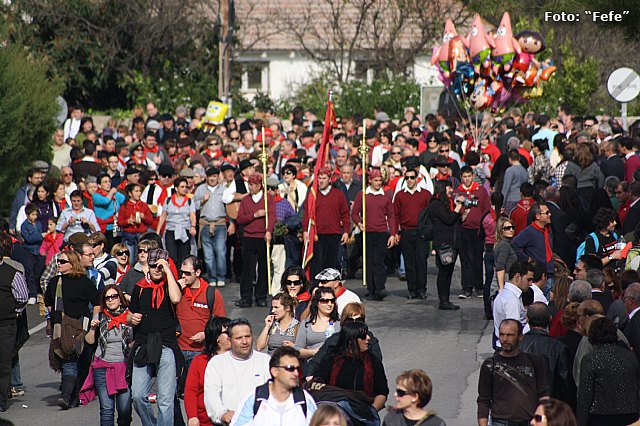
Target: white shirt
[538,295]
[632,313]
[424,181]
[68,189]
[273,412]
[228,379]
[345,298]
[256,197]
[371,191]
[508,305]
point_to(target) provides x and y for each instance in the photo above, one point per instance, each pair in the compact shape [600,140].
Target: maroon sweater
[332,213]
[380,215]
[254,227]
[408,206]
[475,214]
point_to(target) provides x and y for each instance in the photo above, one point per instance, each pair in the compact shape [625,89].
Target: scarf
[120,274]
[158,290]
[367,378]
[118,320]
[473,187]
[547,240]
[174,200]
[341,291]
[277,198]
[445,176]
[137,160]
[153,150]
[191,298]
[304,297]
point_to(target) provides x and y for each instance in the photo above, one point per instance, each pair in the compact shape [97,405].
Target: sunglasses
[155,266]
[234,139]
[94,245]
[63,261]
[444,150]
[166,176]
[324,300]
[111,297]
[187,273]
[143,250]
[410,177]
[401,392]
[396,153]
[288,173]
[67,174]
[294,282]
[508,228]
[122,253]
[289,368]
[539,418]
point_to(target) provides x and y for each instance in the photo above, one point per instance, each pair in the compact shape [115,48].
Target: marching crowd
[124,238]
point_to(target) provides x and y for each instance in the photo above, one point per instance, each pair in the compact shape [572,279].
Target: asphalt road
[448,345]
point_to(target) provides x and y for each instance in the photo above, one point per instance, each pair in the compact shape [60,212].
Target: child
[52,242]
[32,235]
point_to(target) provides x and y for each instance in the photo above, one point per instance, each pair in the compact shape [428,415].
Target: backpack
[262,394]
[211,298]
[596,242]
[426,230]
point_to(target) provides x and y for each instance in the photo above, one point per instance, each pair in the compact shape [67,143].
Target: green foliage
[389,94]
[27,110]
[262,102]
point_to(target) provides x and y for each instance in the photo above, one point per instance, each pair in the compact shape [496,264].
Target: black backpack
[211,298]
[426,229]
[262,394]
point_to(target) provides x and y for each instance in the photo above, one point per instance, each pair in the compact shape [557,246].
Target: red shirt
[623,210]
[193,314]
[194,390]
[255,227]
[332,213]
[492,150]
[407,207]
[520,212]
[526,154]
[130,209]
[380,214]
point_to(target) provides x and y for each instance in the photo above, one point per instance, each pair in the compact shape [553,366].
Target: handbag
[447,254]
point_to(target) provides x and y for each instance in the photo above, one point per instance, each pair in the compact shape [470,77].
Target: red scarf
[174,200]
[303,297]
[122,162]
[341,291]
[473,187]
[367,365]
[137,160]
[62,204]
[148,150]
[116,321]
[187,294]
[102,192]
[158,290]
[212,155]
[547,240]
[121,273]
[277,198]
[446,176]
[164,193]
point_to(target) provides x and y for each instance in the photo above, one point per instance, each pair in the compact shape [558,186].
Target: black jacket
[613,166]
[556,356]
[446,223]
[632,331]
[329,348]
[633,217]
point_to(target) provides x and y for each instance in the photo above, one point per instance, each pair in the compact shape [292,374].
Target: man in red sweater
[332,223]
[521,211]
[381,231]
[408,204]
[251,215]
[471,247]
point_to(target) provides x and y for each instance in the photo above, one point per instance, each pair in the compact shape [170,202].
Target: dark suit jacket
[632,219]
[604,298]
[613,166]
[502,140]
[632,331]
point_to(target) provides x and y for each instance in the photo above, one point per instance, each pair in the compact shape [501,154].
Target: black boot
[68,385]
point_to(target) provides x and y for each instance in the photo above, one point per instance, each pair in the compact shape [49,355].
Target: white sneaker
[221,283]
[32,301]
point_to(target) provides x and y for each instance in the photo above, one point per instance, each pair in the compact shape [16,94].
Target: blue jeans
[188,357]
[131,241]
[16,377]
[121,401]
[70,368]
[215,251]
[166,381]
[488,279]
[548,287]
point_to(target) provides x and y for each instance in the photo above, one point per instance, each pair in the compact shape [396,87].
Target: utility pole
[227,24]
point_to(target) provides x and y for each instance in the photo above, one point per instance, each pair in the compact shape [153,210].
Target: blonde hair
[500,225]
[326,412]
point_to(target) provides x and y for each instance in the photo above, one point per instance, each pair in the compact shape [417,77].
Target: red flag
[330,123]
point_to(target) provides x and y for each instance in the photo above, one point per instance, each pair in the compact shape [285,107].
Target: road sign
[624,84]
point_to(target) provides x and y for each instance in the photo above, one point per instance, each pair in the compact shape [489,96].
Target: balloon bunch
[491,71]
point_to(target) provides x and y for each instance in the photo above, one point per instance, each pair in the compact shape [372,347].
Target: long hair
[212,331]
[103,302]
[440,190]
[350,332]
[499,231]
[294,270]
[315,300]
[77,269]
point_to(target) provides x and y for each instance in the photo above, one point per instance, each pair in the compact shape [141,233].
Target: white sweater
[227,380]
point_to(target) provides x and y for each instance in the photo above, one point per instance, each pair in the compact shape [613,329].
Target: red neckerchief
[174,200]
[212,155]
[473,187]
[102,192]
[158,290]
[121,273]
[341,291]
[116,321]
[303,297]
[122,162]
[62,204]
[190,296]
[445,176]
[135,159]
[288,156]
[547,240]
[148,150]
[277,198]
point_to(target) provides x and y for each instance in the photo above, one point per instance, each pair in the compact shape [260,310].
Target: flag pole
[363,153]
[264,158]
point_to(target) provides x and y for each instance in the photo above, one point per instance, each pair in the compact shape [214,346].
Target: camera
[469,202]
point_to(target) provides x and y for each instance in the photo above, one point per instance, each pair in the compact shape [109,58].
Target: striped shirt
[19,290]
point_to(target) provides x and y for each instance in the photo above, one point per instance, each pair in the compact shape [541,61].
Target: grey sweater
[515,176]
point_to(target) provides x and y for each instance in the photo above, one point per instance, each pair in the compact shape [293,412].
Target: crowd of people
[124,238]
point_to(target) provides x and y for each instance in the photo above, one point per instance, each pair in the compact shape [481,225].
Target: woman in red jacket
[216,342]
[134,219]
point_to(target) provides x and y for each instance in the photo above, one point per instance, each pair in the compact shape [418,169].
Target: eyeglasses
[326,301]
[155,266]
[354,319]
[539,418]
[63,261]
[234,139]
[401,392]
[67,174]
[122,253]
[410,177]
[294,282]
[89,254]
[187,273]
[289,368]
[111,297]
[508,228]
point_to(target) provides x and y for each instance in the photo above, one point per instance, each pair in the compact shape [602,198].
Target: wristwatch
[610,258]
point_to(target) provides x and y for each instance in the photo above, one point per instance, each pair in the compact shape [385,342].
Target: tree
[27,110]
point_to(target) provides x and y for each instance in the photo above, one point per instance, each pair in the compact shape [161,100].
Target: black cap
[166,170]
[166,116]
[411,162]
[306,134]
[245,163]
[212,171]
[441,160]
[131,171]
[226,166]
[370,133]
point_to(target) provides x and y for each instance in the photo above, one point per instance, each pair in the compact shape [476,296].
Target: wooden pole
[264,158]
[363,150]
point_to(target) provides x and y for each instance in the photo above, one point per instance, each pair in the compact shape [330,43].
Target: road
[448,345]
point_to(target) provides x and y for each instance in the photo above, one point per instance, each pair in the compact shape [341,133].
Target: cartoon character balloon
[506,46]
[441,54]
[480,44]
[457,53]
